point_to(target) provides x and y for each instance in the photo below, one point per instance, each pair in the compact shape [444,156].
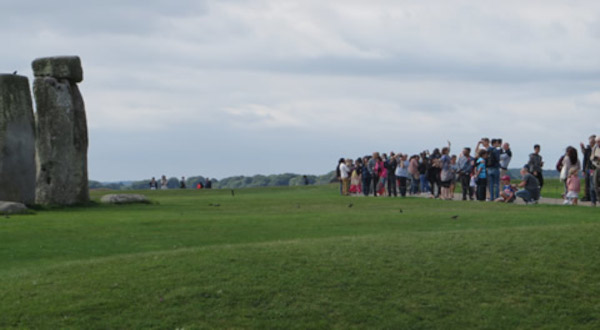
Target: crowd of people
[154,184]
[482,173]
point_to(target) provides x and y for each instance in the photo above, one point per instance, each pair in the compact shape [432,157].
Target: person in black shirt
[587,165]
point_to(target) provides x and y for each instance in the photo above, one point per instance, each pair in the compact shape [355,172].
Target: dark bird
[216,205]
[232,193]
[297,206]
[401,211]
[15,72]
[454,217]
[350,205]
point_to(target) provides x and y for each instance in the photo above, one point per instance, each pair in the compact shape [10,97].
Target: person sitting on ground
[573,187]
[507,195]
[531,187]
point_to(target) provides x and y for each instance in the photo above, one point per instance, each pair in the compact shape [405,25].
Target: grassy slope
[300,257]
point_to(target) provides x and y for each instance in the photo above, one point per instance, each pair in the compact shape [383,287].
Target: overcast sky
[229,87]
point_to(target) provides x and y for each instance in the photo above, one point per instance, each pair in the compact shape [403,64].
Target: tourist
[446,173]
[493,168]
[507,195]
[573,187]
[345,177]
[423,173]
[390,168]
[382,174]
[355,187]
[305,180]
[338,174]
[163,182]
[454,170]
[465,168]
[182,183]
[373,169]
[569,161]
[531,187]
[587,166]
[595,179]
[505,157]
[434,173]
[402,173]
[536,164]
[366,176]
[153,184]
[208,184]
[481,175]
[413,171]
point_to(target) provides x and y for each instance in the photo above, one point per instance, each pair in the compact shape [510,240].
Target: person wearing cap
[507,195]
[587,164]
[531,187]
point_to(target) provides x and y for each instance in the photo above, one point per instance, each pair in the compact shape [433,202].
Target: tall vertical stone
[62,137]
[17,140]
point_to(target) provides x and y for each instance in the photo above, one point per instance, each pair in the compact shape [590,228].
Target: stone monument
[61,127]
[17,140]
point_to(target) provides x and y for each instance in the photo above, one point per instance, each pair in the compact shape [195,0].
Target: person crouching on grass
[507,195]
[531,187]
[573,187]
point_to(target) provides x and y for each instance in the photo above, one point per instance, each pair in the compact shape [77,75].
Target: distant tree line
[234,182]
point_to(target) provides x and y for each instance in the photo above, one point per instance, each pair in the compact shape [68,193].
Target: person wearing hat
[507,195]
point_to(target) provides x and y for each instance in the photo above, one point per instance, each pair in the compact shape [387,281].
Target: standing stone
[62,138]
[17,140]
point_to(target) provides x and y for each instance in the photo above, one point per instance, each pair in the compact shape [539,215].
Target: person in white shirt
[345,176]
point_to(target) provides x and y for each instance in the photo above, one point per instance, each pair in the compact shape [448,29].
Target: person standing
[570,160]
[413,170]
[595,179]
[465,167]
[402,173]
[505,157]
[338,173]
[493,169]
[163,182]
[423,173]
[481,175]
[345,177]
[208,183]
[153,184]
[182,183]
[536,165]
[366,176]
[390,166]
[446,173]
[373,169]
[587,164]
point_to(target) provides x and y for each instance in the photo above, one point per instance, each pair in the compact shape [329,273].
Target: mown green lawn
[300,258]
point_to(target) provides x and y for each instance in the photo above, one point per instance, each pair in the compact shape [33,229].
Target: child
[355,182]
[573,187]
[507,195]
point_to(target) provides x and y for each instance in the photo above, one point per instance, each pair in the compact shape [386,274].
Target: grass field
[300,258]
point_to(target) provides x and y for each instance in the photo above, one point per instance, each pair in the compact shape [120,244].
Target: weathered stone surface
[12,208]
[61,144]
[59,67]
[17,140]
[124,199]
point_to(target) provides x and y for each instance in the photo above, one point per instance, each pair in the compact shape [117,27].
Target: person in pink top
[573,187]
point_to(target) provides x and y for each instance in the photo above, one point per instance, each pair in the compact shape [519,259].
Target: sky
[229,87]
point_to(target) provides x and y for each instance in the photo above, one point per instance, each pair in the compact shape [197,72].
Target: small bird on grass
[350,205]
[232,193]
[454,217]
[216,205]
[401,211]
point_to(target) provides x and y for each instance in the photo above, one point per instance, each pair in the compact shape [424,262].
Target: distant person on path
[366,176]
[423,173]
[182,183]
[595,179]
[481,175]
[573,187]
[465,167]
[208,184]
[153,184]
[345,177]
[163,182]
[390,167]
[338,174]
[536,164]
[587,166]
[570,161]
[505,157]
[402,173]
[531,187]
